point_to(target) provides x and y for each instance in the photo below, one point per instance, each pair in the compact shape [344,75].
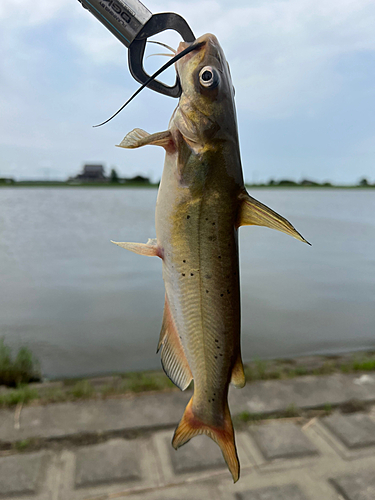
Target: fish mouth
[182,46]
[194,46]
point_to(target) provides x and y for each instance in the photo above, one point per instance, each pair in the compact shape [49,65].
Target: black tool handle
[124,19]
[156,24]
[132,23]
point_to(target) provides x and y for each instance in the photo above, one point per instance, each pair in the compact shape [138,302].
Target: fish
[202,201]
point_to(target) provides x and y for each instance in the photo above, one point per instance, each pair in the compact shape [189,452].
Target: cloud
[30,12]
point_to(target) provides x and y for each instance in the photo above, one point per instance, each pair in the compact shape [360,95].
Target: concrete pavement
[325,458]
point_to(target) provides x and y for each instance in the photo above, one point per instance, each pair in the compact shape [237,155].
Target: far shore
[149,185]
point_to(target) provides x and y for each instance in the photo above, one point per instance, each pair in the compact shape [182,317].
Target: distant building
[308,182]
[138,179]
[6,180]
[91,173]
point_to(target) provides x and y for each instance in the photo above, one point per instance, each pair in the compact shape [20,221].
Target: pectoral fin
[253,213]
[138,138]
[173,357]
[150,249]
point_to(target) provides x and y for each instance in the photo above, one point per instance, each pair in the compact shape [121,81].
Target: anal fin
[138,138]
[254,213]
[173,357]
[150,249]
[238,375]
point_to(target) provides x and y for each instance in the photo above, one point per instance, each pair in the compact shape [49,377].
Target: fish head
[206,111]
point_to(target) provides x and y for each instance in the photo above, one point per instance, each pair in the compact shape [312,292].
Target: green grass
[54,395]
[153,381]
[22,394]
[246,417]
[284,369]
[327,368]
[298,371]
[328,408]
[82,390]
[146,381]
[21,369]
[366,365]
[23,445]
[260,370]
[291,411]
[76,389]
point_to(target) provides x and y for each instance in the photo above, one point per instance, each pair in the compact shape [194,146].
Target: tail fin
[191,426]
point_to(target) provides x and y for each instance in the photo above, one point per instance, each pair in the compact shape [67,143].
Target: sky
[303,70]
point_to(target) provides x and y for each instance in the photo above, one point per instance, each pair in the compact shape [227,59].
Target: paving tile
[285,492]
[207,490]
[355,431]
[359,486]
[200,453]
[19,474]
[282,440]
[113,461]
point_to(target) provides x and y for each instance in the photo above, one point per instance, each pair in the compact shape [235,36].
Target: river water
[85,306]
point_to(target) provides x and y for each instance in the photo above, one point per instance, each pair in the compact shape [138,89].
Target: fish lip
[182,46]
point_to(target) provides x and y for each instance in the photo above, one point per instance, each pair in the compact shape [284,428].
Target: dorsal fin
[173,357]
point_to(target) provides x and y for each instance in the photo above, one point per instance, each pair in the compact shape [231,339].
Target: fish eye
[208,77]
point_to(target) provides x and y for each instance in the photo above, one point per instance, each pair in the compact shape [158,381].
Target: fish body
[201,203]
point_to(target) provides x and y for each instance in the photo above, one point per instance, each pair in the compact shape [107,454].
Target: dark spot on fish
[220,354]
[184,261]
[213,223]
[191,274]
[221,295]
[206,218]
[217,347]
[183,274]
[188,216]
[216,340]
[213,399]
[209,400]
[215,357]
[228,291]
[214,393]
[206,291]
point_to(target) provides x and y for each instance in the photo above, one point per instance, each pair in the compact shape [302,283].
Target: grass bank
[151,381]
[20,369]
